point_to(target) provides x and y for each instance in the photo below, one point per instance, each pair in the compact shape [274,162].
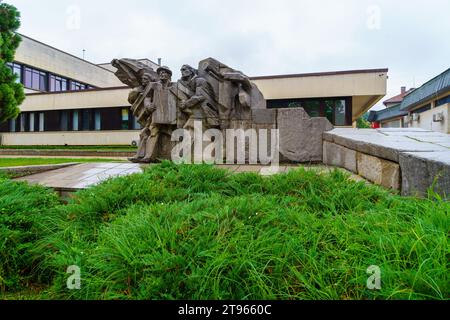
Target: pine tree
[11,93]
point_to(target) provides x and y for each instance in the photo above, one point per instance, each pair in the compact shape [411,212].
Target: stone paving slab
[85,175]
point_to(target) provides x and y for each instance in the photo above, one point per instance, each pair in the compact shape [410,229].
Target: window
[340,113]
[442,101]
[17,70]
[136,124]
[41,122]
[125,119]
[86,120]
[336,110]
[64,121]
[58,83]
[31,122]
[12,125]
[98,121]
[312,107]
[22,122]
[76,86]
[75,121]
[28,78]
[35,79]
[423,109]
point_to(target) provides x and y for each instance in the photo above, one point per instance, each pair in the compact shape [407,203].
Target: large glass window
[136,124]
[28,81]
[340,113]
[64,121]
[41,122]
[86,120]
[75,121]
[22,122]
[31,122]
[17,70]
[58,83]
[43,81]
[35,79]
[98,121]
[337,110]
[312,107]
[125,119]
[75,86]
[12,125]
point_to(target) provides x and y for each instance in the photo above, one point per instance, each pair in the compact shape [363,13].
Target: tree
[362,122]
[11,92]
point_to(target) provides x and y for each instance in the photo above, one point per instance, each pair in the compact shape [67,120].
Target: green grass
[123,148]
[196,232]
[18,162]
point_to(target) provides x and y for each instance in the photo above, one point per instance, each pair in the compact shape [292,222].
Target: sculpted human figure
[198,100]
[217,96]
[151,132]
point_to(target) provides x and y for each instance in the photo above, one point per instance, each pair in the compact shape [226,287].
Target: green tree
[11,92]
[362,122]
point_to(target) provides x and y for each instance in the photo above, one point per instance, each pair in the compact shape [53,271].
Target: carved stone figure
[158,111]
[213,94]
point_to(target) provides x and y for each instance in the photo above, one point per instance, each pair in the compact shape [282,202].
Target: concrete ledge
[30,170]
[64,153]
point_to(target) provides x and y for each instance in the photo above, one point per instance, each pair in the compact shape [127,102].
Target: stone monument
[216,96]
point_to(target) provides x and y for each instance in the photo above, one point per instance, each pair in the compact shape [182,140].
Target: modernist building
[427,107]
[75,102]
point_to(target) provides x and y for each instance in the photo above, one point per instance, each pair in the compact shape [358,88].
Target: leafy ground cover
[197,232]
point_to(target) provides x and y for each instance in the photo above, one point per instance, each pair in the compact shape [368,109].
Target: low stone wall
[408,160]
[377,170]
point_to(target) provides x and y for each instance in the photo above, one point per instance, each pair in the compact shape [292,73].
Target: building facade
[427,107]
[70,101]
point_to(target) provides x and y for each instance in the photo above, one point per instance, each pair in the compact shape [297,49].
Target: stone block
[301,136]
[264,116]
[422,170]
[379,171]
[387,145]
[338,156]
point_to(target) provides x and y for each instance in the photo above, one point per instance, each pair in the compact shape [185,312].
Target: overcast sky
[258,37]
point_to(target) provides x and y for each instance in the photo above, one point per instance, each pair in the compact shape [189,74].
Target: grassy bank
[196,232]
[18,162]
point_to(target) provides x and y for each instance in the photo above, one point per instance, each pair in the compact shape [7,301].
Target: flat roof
[285,76]
[64,52]
[319,74]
